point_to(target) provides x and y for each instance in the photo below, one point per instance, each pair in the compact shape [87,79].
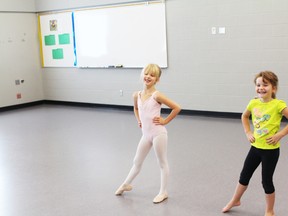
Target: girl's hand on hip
[158,120]
[250,137]
[273,140]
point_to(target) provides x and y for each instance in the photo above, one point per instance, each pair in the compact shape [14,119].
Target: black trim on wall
[20,106]
[164,110]
[211,114]
[122,107]
[126,108]
[92,105]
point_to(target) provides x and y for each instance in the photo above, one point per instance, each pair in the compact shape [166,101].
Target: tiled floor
[68,161]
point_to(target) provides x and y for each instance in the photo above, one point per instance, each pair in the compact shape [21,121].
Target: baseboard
[130,108]
[20,106]
[92,105]
[211,114]
[123,107]
[127,108]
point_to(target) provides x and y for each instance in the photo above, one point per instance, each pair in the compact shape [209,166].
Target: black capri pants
[268,158]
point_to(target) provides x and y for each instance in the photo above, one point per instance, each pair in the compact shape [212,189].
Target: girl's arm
[136,113]
[246,125]
[280,134]
[160,98]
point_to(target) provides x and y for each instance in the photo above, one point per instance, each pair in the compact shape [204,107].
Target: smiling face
[264,89]
[266,85]
[151,75]
[150,78]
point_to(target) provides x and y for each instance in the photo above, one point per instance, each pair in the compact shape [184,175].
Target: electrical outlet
[213,30]
[121,93]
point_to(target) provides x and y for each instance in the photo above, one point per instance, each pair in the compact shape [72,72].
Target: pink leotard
[149,109]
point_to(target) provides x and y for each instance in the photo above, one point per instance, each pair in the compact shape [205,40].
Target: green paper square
[64,38]
[50,40]
[57,54]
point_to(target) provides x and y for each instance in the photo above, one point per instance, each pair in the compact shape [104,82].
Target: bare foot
[230,205]
[269,214]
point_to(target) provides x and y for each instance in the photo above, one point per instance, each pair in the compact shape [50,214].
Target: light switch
[221,30]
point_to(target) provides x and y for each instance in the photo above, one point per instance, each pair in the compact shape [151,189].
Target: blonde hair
[270,77]
[152,69]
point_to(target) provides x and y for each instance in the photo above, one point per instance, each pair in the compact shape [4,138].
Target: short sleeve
[281,105]
[250,105]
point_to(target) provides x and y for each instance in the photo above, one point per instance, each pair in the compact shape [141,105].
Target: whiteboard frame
[136,50]
[138,36]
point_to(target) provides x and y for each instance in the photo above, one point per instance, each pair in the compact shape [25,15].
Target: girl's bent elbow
[244,116]
[178,109]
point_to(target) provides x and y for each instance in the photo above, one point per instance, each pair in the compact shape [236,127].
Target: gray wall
[52,5]
[210,72]
[18,6]
[19,53]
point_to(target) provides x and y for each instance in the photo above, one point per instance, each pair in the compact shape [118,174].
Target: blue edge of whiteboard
[74,41]
[75,53]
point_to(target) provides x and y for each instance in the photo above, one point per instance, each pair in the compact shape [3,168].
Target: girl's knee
[163,164]
[268,187]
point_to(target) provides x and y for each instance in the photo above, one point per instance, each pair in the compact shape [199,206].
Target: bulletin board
[57,40]
[129,35]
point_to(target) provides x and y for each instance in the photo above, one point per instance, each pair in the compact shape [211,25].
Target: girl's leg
[160,148]
[269,162]
[143,149]
[270,200]
[236,199]
[251,163]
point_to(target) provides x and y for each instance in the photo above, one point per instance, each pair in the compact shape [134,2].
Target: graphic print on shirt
[260,118]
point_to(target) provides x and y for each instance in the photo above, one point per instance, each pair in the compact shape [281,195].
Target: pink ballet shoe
[160,198]
[122,188]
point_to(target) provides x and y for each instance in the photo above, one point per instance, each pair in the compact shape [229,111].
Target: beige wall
[18,6]
[19,59]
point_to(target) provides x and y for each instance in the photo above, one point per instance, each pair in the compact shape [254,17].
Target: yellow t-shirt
[266,119]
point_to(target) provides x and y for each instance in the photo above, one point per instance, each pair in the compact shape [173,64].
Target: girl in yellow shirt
[267,112]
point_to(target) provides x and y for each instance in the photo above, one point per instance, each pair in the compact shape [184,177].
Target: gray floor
[68,161]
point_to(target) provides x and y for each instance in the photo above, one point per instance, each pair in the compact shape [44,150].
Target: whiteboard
[123,36]
[57,40]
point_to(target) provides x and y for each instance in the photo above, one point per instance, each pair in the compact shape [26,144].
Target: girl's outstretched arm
[280,134]
[160,98]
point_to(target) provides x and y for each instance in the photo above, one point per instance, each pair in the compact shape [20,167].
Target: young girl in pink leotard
[147,110]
